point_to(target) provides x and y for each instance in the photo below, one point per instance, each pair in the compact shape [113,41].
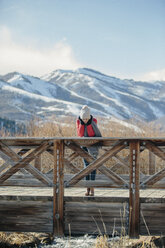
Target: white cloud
[32,60]
[158,75]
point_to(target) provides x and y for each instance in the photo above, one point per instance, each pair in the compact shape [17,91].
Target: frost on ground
[106,242]
[81,242]
[76,242]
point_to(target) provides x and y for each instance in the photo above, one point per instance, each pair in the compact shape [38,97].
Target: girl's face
[85,120]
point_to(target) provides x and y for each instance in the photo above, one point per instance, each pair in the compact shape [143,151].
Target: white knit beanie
[85,112]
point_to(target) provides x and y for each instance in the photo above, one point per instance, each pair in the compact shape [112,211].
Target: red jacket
[81,128]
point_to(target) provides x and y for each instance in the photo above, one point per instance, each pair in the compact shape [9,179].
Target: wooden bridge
[42,186]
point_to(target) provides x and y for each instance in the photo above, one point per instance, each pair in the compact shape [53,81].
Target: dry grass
[126,242]
[66,127]
[24,240]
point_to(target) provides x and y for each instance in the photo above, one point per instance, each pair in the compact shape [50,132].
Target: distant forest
[11,127]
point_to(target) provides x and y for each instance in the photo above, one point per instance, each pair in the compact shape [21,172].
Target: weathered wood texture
[95,217]
[24,162]
[99,164]
[35,213]
[58,201]
[61,188]
[38,163]
[134,189]
[101,181]
[55,189]
[152,163]
[152,218]
[26,216]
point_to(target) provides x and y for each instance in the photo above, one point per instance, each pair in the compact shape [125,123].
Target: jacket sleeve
[80,128]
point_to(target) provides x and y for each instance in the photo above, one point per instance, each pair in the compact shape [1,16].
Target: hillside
[63,92]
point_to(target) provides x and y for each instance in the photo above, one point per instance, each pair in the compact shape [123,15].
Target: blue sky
[123,38]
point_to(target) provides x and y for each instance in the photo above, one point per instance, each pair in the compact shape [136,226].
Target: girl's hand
[81,121]
[89,121]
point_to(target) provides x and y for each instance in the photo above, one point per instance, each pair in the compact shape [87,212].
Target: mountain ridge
[63,92]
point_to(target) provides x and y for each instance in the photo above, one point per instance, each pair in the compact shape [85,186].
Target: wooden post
[152,163]
[61,188]
[134,203]
[55,191]
[58,192]
[37,163]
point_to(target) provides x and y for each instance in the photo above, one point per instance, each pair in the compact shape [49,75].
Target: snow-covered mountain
[63,92]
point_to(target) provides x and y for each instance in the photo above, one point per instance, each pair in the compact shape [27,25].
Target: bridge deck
[101,192]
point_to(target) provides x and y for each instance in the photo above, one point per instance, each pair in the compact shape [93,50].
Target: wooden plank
[101,181]
[150,200]
[153,206]
[152,163]
[38,162]
[96,198]
[159,221]
[154,217]
[70,166]
[106,214]
[155,214]
[98,162]
[134,203]
[25,216]
[79,151]
[94,228]
[87,219]
[90,204]
[33,141]
[8,162]
[72,156]
[154,149]
[113,176]
[24,198]
[154,178]
[25,162]
[121,161]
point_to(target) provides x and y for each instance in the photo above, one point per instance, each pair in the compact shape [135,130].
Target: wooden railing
[18,154]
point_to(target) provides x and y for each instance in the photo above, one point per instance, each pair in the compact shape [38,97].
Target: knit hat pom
[85,112]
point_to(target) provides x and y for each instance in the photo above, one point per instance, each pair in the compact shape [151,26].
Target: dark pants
[92,175]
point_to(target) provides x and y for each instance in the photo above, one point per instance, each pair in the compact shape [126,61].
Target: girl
[87,127]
